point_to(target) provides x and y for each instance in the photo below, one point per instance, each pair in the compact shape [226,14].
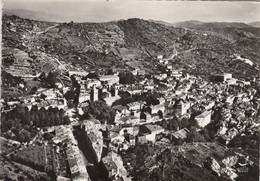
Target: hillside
[188,24]
[129,100]
[255,24]
[222,25]
[90,46]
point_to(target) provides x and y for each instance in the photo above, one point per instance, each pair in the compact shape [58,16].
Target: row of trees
[36,117]
[20,123]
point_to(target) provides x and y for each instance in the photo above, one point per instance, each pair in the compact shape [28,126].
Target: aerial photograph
[130,90]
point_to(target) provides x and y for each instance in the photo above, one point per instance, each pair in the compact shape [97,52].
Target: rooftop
[204,114]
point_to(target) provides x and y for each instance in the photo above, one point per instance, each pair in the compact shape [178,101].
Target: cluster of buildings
[181,95]
[138,122]
[105,86]
[74,156]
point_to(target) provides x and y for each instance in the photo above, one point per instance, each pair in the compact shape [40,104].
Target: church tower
[94,94]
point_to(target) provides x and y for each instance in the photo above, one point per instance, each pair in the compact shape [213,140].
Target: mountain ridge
[34,15]
[118,42]
[255,24]
[200,24]
[44,16]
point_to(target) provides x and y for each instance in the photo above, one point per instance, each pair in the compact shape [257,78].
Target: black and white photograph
[130,90]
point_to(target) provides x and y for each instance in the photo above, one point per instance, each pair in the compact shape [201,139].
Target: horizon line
[125,19]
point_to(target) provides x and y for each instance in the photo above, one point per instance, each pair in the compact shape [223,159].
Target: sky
[169,11]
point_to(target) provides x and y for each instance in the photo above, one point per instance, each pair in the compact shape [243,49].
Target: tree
[179,142]
[42,116]
[52,175]
[43,96]
[66,120]
[52,78]
[32,116]
[52,118]
[160,113]
[27,115]
[61,112]
[208,135]
[57,119]
[27,135]
[47,119]
[99,110]
[126,78]
[110,72]
[183,123]
[21,137]
[69,95]
[195,136]
[34,90]
[92,75]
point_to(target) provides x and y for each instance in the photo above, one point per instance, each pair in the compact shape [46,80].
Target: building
[208,105]
[159,57]
[223,77]
[180,134]
[141,72]
[182,107]
[114,165]
[129,120]
[132,130]
[78,73]
[145,117]
[94,94]
[176,73]
[203,119]
[231,81]
[161,100]
[76,163]
[92,82]
[84,96]
[135,105]
[110,100]
[93,129]
[230,99]
[156,109]
[114,90]
[148,133]
[169,67]
[110,79]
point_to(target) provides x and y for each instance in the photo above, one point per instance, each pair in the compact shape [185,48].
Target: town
[130,99]
[116,111]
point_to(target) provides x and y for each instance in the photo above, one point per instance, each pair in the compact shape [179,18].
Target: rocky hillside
[201,49]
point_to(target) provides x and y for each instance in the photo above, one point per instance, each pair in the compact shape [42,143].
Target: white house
[203,119]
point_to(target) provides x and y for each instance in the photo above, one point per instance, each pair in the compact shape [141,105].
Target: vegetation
[175,123]
[166,164]
[99,110]
[23,122]
[33,156]
[9,80]
[126,78]
[195,136]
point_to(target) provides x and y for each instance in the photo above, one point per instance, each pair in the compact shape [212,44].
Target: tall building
[114,91]
[94,94]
